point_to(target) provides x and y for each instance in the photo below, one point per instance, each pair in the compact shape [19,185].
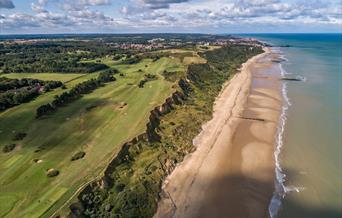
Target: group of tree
[9,84]
[50,85]
[53,65]
[75,93]
[15,92]
[10,99]
[52,57]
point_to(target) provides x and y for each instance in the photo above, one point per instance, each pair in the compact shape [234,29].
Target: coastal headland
[231,173]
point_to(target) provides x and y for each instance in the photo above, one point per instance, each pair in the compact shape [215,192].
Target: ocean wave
[280,188]
[283,58]
[284,72]
[301,78]
[289,189]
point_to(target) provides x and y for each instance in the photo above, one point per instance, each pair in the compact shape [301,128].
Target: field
[96,124]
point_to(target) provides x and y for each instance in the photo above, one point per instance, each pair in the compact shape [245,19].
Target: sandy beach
[231,173]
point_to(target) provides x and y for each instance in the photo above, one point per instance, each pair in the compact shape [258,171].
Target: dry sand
[231,173]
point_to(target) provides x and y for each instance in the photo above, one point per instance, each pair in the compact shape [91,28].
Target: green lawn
[94,124]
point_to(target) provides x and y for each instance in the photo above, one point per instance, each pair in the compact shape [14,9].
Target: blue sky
[200,16]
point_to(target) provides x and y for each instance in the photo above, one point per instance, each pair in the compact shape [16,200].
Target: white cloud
[183,15]
[158,4]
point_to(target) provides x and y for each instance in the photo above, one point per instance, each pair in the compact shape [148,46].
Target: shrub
[142,83]
[171,76]
[132,60]
[150,76]
[108,207]
[44,109]
[52,173]
[78,155]
[120,187]
[19,136]
[8,148]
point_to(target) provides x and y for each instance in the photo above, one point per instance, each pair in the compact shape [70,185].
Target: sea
[309,141]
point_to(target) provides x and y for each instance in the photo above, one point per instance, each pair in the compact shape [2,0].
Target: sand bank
[231,173]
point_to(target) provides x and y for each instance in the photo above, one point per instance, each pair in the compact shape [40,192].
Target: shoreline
[232,171]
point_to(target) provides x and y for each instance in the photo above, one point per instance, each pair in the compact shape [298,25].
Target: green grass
[25,189]
[194,60]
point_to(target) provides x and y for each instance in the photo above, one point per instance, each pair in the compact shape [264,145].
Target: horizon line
[151,33]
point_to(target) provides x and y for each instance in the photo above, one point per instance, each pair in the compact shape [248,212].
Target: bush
[52,173]
[150,76]
[78,155]
[8,148]
[132,60]
[120,187]
[19,136]
[142,83]
[44,109]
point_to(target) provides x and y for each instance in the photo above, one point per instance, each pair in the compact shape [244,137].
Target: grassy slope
[25,189]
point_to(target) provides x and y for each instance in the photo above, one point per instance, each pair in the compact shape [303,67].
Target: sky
[188,16]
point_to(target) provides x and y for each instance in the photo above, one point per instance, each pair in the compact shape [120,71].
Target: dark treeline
[8,84]
[14,92]
[50,63]
[75,93]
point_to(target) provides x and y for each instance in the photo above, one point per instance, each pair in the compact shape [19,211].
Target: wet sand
[231,173]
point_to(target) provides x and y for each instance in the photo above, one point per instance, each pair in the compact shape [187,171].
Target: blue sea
[310,158]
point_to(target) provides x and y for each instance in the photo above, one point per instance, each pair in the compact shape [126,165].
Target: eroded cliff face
[153,125]
[151,135]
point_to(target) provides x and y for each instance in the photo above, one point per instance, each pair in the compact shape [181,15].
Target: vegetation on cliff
[132,182]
